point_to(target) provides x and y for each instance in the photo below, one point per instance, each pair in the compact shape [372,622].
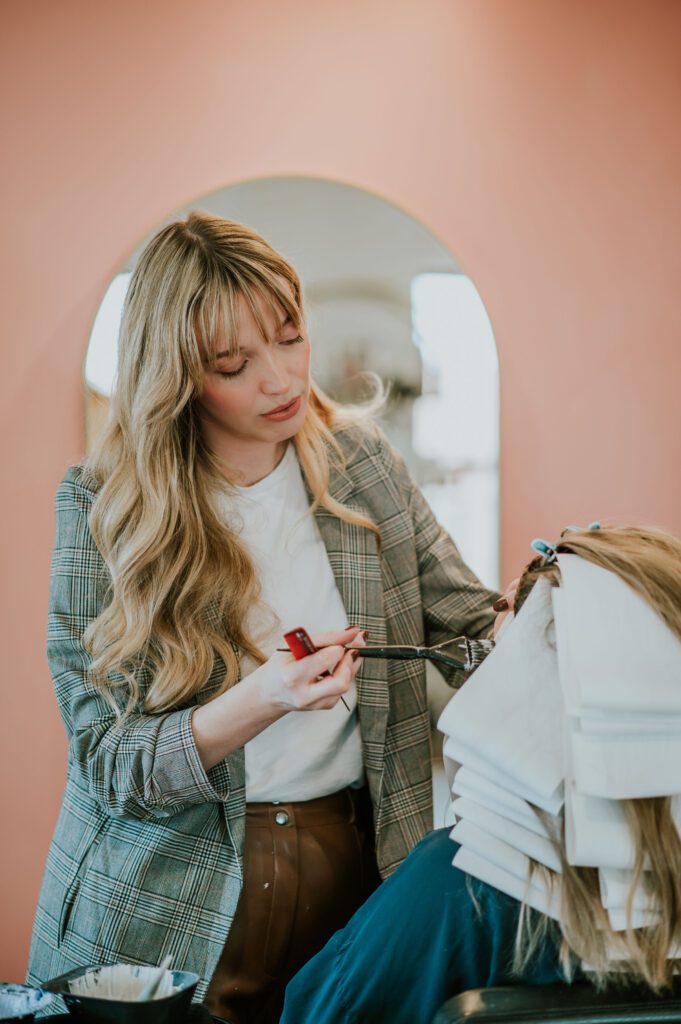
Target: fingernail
[365,634]
[355,655]
[501,605]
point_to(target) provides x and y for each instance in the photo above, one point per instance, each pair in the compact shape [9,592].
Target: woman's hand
[505,604]
[303,685]
[280,685]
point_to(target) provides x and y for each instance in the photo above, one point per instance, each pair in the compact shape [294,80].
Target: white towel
[500,865]
[539,848]
[619,920]
[626,722]
[494,862]
[614,885]
[505,722]
[492,849]
[596,832]
[619,746]
[567,673]
[535,896]
[625,658]
[468,783]
[461,754]
[621,767]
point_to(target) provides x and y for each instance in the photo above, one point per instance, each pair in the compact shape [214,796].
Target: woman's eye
[293,341]
[233,373]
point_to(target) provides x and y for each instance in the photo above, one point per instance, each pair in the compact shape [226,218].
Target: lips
[281,408]
[284,412]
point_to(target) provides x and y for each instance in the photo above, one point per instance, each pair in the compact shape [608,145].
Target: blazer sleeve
[149,764]
[455,602]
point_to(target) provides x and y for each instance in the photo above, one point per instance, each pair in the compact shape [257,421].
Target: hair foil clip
[545,549]
[582,529]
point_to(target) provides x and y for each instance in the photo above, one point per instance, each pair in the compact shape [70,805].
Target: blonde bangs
[276,299]
[216,314]
[215,319]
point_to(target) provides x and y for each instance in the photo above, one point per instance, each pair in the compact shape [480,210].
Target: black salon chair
[561,1004]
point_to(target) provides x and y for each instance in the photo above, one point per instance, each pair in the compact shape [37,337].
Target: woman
[184,550]
[609,908]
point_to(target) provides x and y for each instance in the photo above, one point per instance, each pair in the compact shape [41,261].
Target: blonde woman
[435,929]
[223,806]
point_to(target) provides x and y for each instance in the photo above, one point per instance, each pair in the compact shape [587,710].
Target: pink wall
[539,140]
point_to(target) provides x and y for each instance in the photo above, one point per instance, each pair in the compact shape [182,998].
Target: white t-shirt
[305,754]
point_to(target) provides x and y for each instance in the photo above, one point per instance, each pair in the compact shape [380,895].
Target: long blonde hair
[649,561]
[181,582]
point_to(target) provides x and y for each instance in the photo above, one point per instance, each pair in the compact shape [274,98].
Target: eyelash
[230,374]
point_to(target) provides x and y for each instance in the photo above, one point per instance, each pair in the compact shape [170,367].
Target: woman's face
[256,400]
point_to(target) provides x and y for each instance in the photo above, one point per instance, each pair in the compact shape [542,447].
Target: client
[563,751]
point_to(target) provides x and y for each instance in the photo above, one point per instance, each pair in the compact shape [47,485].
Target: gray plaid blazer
[146,855]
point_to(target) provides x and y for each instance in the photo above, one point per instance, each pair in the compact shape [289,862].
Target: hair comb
[460,652]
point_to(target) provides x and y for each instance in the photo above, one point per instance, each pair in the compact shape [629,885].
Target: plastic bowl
[169,1010]
[21,1002]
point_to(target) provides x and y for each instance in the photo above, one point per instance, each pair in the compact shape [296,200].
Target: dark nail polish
[501,605]
[355,655]
[365,634]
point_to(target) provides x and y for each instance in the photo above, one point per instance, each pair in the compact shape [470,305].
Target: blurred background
[482,198]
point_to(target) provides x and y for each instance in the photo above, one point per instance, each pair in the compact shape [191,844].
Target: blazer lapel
[356,565]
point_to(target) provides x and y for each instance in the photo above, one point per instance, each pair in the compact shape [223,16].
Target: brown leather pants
[307,867]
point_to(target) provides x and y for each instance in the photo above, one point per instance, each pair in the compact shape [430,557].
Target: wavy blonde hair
[649,561]
[181,581]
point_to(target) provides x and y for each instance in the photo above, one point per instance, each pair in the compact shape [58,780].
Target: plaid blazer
[146,855]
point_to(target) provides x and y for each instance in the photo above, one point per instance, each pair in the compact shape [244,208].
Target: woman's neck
[252,463]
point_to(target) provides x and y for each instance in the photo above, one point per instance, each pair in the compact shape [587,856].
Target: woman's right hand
[282,684]
[291,685]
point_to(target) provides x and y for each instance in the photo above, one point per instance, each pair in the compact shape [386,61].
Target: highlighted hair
[181,581]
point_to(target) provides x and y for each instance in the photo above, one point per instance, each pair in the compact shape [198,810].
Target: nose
[275,379]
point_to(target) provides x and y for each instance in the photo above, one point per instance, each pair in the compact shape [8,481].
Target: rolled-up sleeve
[148,764]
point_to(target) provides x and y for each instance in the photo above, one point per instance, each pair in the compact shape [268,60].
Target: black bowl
[169,1010]
[21,1002]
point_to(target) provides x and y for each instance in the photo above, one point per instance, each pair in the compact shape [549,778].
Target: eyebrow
[232,355]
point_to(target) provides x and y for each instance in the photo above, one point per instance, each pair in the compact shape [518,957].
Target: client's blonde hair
[181,581]
[649,561]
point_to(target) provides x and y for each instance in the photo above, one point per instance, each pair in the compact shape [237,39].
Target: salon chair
[560,1004]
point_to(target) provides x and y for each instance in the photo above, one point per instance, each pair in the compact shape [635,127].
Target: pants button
[281,818]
